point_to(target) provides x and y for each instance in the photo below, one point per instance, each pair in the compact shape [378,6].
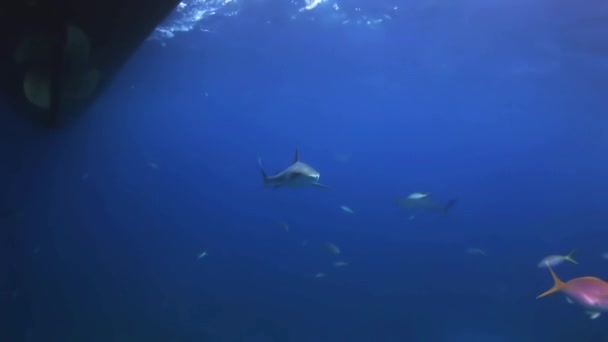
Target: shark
[425,203]
[298,174]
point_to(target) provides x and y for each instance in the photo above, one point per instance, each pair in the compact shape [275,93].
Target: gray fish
[554,260]
[426,203]
[297,174]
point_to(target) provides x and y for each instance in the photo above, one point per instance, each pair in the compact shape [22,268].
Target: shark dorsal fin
[297,156]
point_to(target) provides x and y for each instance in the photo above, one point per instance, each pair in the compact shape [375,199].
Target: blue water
[502,108]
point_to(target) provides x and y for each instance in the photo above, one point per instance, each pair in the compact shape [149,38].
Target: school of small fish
[589,292]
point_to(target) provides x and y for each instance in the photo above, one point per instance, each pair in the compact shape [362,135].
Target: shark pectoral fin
[262,171]
[320,185]
[593,314]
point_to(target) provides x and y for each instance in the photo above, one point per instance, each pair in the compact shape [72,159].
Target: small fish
[331,248]
[342,157]
[475,251]
[347,209]
[555,260]
[304,243]
[320,275]
[202,255]
[605,255]
[153,166]
[284,226]
[84,177]
[340,263]
[588,292]
[419,195]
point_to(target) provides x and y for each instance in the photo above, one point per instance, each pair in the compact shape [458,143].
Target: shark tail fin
[297,156]
[557,286]
[448,206]
[570,257]
[264,174]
